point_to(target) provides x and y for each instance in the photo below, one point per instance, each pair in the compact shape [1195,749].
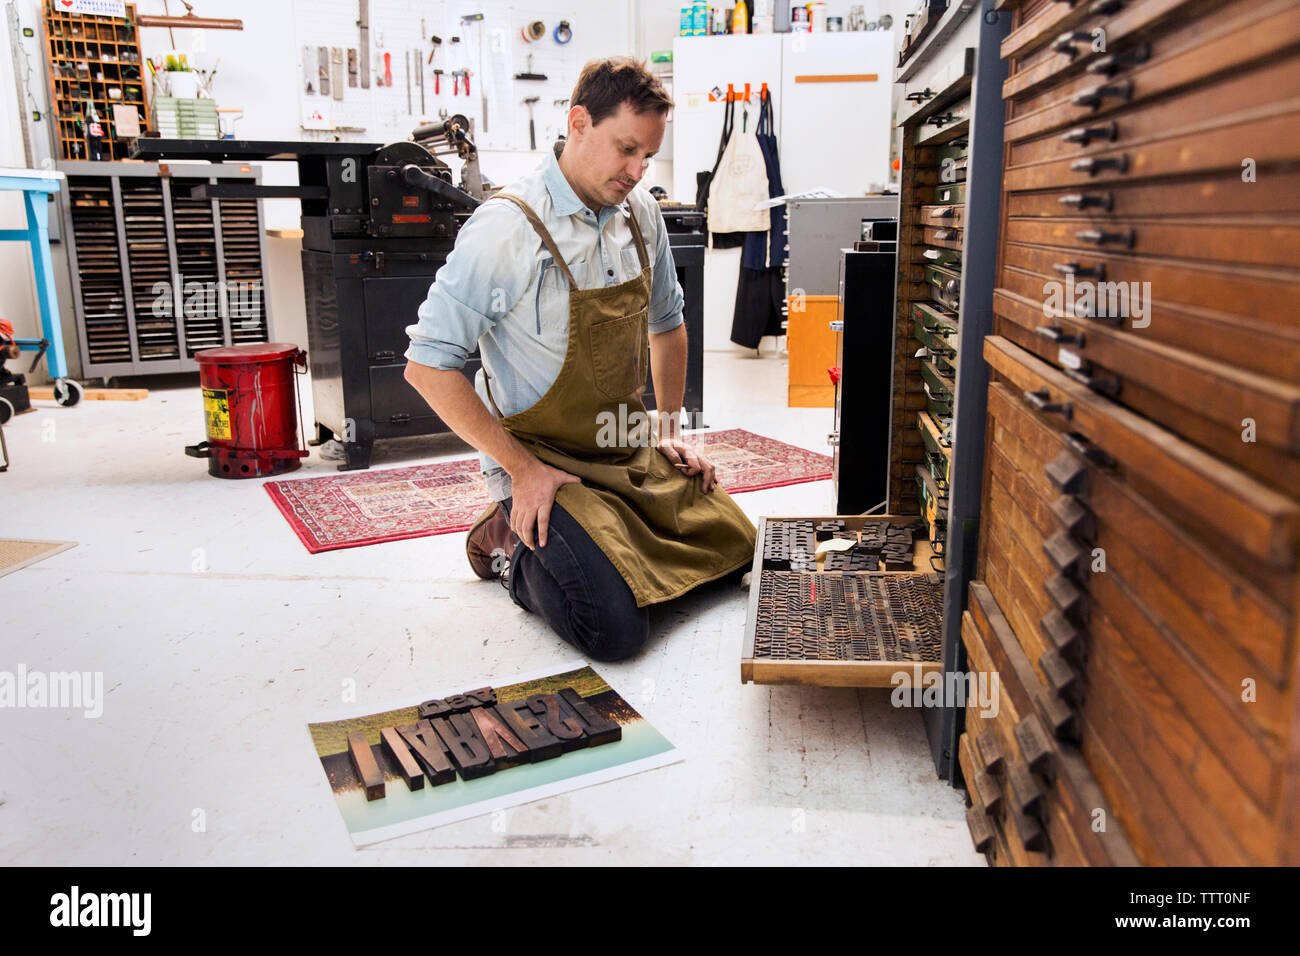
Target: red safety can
[250,404]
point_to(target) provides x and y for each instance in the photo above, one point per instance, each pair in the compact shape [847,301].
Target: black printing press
[378,221]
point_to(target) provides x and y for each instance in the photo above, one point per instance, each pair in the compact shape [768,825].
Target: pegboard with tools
[376,69]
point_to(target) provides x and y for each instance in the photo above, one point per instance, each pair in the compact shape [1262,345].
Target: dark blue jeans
[580,593]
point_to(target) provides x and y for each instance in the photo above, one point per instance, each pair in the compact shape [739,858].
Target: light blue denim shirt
[500,292]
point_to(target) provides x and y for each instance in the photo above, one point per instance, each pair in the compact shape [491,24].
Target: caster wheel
[6,410]
[67,392]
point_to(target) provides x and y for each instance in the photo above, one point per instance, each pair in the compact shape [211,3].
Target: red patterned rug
[368,507]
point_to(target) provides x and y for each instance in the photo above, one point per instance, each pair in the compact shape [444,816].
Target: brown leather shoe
[490,542]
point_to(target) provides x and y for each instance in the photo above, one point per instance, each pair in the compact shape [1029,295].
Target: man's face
[610,158]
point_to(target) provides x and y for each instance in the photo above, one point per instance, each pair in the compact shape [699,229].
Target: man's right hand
[533,493]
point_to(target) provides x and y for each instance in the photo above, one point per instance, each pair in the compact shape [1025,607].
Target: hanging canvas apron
[662,533]
[739,185]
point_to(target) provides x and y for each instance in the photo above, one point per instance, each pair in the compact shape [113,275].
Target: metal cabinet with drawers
[1136,582]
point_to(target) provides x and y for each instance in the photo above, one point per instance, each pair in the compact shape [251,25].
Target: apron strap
[545,235]
[636,235]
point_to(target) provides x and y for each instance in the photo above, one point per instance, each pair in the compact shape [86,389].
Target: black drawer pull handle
[921,96]
[947,212]
[1087,200]
[1054,333]
[1101,384]
[1035,745]
[1083,272]
[1067,474]
[1099,237]
[1092,165]
[1083,135]
[1077,520]
[1089,451]
[1118,89]
[1112,63]
[941,119]
[1065,637]
[1066,41]
[1042,401]
[944,235]
[1103,7]
[1065,596]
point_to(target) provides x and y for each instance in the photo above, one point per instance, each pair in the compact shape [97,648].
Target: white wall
[259,70]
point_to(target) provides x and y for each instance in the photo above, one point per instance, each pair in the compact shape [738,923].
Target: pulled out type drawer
[841,628]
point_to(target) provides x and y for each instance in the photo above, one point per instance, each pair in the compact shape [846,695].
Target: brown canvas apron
[662,533]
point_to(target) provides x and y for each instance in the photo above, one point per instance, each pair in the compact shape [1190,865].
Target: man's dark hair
[604,85]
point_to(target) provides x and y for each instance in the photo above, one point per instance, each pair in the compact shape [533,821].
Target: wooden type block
[567,729]
[401,754]
[367,767]
[469,751]
[598,729]
[507,750]
[430,751]
[486,696]
[433,708]
[541,743]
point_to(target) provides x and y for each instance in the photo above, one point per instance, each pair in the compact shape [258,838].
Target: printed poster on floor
[475,751]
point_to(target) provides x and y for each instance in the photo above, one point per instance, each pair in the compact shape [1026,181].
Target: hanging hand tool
[455,82]
[363,25]
[478,19]
[467,74]
[437,42]
[532,130]
[437,82]
[388,70]
[408,83]
[419,76]
[528,74]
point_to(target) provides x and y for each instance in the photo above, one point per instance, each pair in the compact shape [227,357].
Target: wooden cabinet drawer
[944,215]
[1145,650]
[1128,20]
[1116,358]
[1269,298]
[1199,145]
[1193,197]
[945,125]
[1275,244]
[943,237]
[1013,763]
[1122,123]
[1194,486]
[1195,52]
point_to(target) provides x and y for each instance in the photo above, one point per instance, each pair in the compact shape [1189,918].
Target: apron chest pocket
[618,354]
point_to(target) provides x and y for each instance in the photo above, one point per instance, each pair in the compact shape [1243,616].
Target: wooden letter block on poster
[367,767]
[401,754]
[468,750]
[507,749]
[429,750]
[568,729]
[599,730]
[541,743]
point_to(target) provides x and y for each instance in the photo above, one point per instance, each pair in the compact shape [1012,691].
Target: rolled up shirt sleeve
[666,297]
[482,279]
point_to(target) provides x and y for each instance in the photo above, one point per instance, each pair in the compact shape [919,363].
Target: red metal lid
[237,354]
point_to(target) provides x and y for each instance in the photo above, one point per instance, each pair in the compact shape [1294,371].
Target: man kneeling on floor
[564,281]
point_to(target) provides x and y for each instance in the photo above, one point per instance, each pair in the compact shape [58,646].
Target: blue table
[37,185]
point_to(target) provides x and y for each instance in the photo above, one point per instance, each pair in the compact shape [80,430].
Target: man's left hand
[690,459]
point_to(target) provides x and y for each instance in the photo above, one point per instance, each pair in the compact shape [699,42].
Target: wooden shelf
[66,49]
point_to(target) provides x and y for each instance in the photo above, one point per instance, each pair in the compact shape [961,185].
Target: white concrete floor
[210,675]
